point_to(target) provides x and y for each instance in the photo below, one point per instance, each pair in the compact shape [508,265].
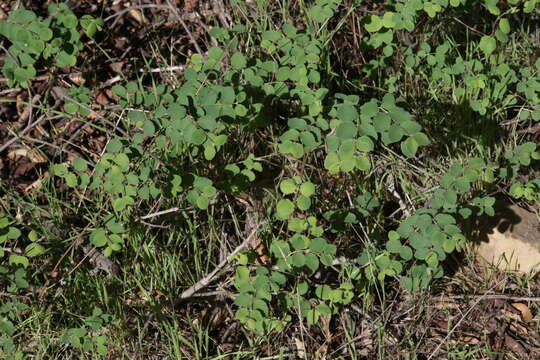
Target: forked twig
[210,277]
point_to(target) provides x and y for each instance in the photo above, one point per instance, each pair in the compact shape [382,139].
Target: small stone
[511,240]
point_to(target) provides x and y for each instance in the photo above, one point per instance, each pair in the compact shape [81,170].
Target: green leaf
[244,300]
[299,242]
[406,253]
[202,202]
[70,21]
[122,161]
[287,186]
[238,61]
[303,202]
[198,137]
[209,152]
[375,24]
[421,139]
[407,283]
[409,147]
[346,130]
[323,292]
[121,203]
[312,316]
[347,113]
[318,245]
[284,208]
[64,59]
[16,260]
[393,235]
[32,235]
[487,44]
[149,128]
[298,259]
[393,245]
[363,163]
[331,163]
[98,237]
[307,189]
[364,144]
[34,249]
[504,25]
[312,262]
[136,116]
[13,233]
[388,20]
[79,164]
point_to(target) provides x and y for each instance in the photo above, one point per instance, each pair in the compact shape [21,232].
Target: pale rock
[511,239]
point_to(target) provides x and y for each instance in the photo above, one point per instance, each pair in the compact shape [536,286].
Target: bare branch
[204,282]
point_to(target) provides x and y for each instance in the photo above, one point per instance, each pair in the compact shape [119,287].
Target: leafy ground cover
[256,179]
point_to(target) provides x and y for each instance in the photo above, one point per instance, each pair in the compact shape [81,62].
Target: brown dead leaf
[32,155]
[526,314]
[101,98]
[137,16]
[77,78]
[470,339]
[117,66]
[190,5]
[36,184]
[24,168]
[112,95]
[511,315]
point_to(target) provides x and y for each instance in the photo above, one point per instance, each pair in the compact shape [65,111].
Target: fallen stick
[204,282]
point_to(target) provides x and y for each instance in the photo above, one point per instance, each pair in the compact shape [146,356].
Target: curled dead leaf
[32,155]
[470,339]
[511,315]
[526,314]
[137,16]
[77,78]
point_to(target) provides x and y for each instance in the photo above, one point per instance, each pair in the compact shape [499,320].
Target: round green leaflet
[307,189]
[238,61]
[303,202]
[284,208]
[287,186]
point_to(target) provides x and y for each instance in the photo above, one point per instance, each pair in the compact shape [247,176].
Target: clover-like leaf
[375,24]
[487,44]
[287,186]
[284,208]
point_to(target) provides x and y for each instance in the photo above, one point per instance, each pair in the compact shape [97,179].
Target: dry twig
[204,282]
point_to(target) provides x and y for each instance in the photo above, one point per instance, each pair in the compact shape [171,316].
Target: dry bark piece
[511,240]
[526,314]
